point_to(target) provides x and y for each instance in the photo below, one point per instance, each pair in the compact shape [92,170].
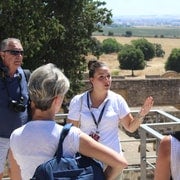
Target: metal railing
[157,131]
[150,132]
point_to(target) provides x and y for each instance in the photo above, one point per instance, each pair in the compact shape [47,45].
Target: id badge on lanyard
[95,134]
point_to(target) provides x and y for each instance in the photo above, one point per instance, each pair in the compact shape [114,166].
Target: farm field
[154,67]
[142,31]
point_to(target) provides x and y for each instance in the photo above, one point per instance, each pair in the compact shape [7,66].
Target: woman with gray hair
[37,141]
[45,84]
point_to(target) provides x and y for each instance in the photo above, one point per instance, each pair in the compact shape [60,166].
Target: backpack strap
[64,133]
[27,73]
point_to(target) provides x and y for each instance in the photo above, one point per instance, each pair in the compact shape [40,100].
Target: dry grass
[154,67]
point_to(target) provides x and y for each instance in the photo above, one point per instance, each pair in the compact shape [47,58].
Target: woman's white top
[175,158]
[108,128]
[37,142]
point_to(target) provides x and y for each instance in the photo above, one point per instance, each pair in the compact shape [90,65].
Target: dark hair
[93,65]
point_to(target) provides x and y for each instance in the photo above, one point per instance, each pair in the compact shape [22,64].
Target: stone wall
[165,91]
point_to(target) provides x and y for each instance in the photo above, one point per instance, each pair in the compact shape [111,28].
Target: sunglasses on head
[14,52]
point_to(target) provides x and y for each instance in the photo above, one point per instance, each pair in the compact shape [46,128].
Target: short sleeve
[123,107]
[71,142]
[75,108]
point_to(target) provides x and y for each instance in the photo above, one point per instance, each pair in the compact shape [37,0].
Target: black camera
[17,106]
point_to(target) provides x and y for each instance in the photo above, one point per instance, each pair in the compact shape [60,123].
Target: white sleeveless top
[175,158]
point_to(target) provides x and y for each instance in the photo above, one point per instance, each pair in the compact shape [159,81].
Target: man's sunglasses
[14,52]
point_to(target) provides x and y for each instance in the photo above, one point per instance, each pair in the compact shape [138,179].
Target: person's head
[11,52]
[45,84]
[99,74]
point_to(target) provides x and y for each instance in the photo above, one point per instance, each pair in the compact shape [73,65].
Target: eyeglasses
[15,52]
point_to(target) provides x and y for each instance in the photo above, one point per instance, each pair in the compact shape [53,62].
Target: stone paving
[131,148]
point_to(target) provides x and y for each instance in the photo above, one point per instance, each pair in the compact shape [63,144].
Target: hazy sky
[144,7]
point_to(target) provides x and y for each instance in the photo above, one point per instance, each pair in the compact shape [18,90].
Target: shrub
[110,45]
[131,58]
[173,61]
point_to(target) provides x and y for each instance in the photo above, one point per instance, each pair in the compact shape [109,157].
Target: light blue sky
[144,7]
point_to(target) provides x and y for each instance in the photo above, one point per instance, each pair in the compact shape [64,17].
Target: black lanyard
[101,113]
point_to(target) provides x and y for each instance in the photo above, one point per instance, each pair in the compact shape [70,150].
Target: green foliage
[159,52]
[29,21]
[162,32]
[110,33]
[96,47]
[131,58]
[128,33]
[146,47]
[55,31]
[173,61]
[111,45]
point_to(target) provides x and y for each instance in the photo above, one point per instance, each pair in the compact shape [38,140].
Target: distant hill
[144,26]
[148,20]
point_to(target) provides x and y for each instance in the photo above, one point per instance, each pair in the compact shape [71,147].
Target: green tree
[159,52]
[110,33]
[55,31]
[128,33]
[146,47]
[173,61]
[131,58]
[111,45]
[30,22]
[96,47]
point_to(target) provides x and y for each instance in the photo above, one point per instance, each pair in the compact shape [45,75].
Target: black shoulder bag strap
[27,73]
[64,133]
